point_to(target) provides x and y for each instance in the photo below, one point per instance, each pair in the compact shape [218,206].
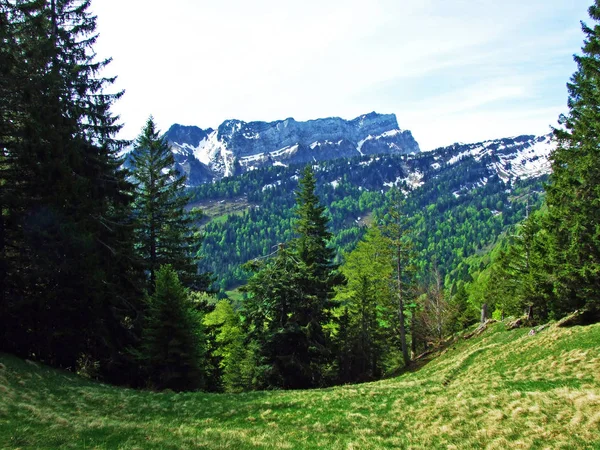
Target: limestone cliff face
[237,146]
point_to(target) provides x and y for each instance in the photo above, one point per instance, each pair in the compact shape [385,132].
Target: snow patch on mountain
[512,158]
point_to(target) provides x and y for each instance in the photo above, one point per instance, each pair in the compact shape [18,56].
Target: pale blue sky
[452,71]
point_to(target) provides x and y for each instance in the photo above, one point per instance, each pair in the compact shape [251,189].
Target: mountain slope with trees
[457,202]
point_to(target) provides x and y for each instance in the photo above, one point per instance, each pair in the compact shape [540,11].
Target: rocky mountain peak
[237,146]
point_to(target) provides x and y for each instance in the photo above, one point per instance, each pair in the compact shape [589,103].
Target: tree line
[88,250]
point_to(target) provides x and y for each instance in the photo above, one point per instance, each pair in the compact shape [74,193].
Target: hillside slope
[502,389]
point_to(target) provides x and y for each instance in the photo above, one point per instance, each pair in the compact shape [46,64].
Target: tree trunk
[401,317]
[530,313]
[484,312]
[413,336]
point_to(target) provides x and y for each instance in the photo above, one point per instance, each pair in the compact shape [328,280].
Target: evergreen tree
[459,304]
[521,281]
[164,228]
[68,277]
[278,313]
[172,346]
[290,299]
[311,245]
[321,274]
[236,360]
[573,193]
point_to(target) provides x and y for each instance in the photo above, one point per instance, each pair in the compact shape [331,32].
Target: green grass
[502,389]
[218,210]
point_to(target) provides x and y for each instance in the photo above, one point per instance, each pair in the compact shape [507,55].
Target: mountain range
[237,147]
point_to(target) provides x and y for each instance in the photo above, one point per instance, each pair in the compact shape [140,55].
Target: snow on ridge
[361,143]
[251,135]
[271,185]
[389,134]
[285,150]
[252,158]
[207,148]
[413,180]
[531,161]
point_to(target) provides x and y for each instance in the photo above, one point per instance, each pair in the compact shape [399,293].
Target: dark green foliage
[551,265]
[573,192]
[164,229]
[172,346]
[290,299]
[522,272]
[235,359]
[69,279]
[311,247]
[279,315]
[462,316]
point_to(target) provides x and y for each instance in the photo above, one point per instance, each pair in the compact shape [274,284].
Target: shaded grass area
[507,390]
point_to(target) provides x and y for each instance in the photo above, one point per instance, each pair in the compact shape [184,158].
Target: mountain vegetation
[349,268]
[69,281]
[458,211]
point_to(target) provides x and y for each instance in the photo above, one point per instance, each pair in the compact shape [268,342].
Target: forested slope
[456,208]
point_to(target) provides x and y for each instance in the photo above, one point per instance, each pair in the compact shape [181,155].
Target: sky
[451,70]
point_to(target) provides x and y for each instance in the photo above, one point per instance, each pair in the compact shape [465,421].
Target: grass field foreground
[502,389]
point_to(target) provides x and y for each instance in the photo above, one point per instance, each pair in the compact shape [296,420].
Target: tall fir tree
[311,246]
[573,192]
[321,275]
[291,298]
[277,310]
[164,228]
[68,274]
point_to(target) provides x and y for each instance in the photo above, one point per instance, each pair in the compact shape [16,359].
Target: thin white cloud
[200,62]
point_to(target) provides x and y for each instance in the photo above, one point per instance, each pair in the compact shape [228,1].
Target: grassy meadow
[501,389]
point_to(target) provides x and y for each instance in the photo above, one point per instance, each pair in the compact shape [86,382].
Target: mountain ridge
[236,146]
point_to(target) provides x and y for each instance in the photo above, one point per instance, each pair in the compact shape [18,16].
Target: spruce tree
[367,303]
[573,193]
[320,275]
[276,313]
[172,346]
[164,228]
[311,246]
[521,281]
[290,299]
[68,280]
